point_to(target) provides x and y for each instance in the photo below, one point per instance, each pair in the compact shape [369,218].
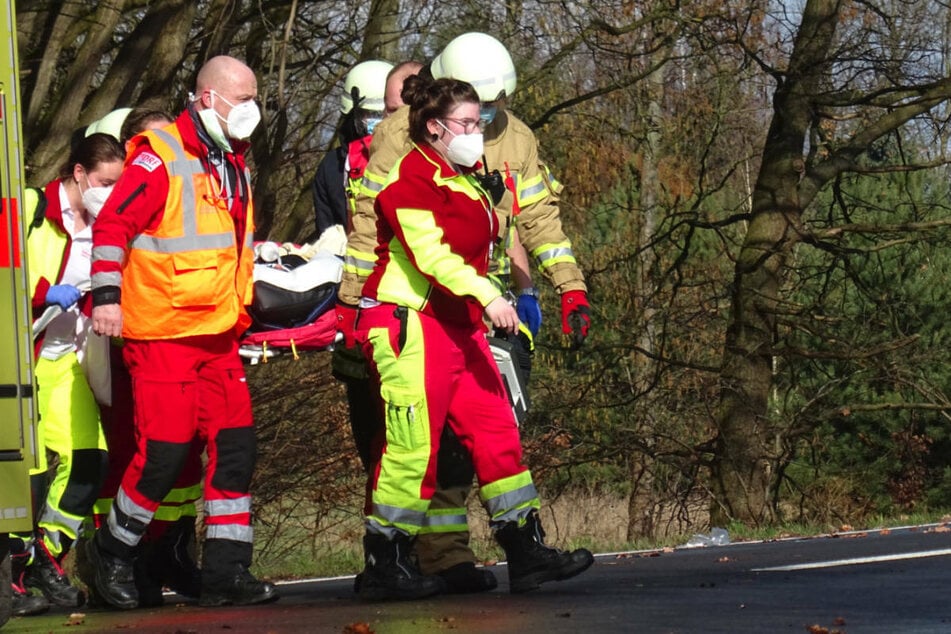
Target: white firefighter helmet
[481,60]
[369,79]
[110,124]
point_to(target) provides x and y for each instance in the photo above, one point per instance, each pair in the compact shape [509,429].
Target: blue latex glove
[63,295]
[529,313]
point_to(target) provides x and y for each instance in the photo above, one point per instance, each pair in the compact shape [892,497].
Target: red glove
[575,315]
[346,320]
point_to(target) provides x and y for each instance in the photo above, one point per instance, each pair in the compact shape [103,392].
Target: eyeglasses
[469,125]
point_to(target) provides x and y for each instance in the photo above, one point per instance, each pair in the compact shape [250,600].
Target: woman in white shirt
[59,249]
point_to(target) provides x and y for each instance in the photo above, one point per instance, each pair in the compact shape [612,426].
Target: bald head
[392,99]
[224,75]
[223,83]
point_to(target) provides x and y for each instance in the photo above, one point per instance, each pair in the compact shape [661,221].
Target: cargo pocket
[195,280]
[407,420]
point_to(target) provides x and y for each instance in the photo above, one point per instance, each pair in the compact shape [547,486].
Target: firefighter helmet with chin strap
[481,60]
[365,86]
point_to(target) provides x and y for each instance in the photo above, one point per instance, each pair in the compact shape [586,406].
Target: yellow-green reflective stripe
[183,494]
[175,513]
[180,500]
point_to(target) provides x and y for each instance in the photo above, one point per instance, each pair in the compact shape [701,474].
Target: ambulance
[17,385]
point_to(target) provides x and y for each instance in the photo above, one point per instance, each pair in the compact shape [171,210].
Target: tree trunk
[642,507]
[742,467]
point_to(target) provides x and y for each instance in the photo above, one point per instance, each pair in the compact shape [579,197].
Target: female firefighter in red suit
[421,324]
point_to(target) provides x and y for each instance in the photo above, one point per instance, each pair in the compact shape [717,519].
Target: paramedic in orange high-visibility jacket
[172,274]
[420,321]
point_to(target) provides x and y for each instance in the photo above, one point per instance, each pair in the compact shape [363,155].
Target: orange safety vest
[187,276]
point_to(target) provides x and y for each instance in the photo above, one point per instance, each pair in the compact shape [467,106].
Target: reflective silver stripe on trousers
[55,524]
[445,520]
[395,514]
[234,532]
[125,504]
[228,507]
[504,505]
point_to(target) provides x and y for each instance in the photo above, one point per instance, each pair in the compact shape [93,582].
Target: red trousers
[183,389]
[118,425]
[432,374]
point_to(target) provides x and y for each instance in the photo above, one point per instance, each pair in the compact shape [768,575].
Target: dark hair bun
[415,91]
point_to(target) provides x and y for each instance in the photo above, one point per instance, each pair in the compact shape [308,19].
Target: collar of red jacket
[54,211]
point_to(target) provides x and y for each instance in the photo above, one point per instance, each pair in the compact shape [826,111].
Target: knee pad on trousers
[236,449]
[163,461]
[88,468]
[454,464]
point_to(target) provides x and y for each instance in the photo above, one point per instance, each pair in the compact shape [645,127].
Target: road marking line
[859,560]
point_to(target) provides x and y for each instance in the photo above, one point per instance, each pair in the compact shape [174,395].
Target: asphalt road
[895,581]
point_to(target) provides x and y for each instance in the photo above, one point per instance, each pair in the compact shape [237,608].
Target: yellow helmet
[110,124]
[481,60]
[369,79]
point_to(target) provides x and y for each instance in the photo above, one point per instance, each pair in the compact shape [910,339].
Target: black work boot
[465,578]
[46,575]
[25,603]
[113,576]
[532,563]
[147,583]
[225,578]
[171,560]
[390,573]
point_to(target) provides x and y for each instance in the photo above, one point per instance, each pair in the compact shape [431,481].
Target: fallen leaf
[76,618]
[817,629]
[941,529]
[838,621]
[357,628]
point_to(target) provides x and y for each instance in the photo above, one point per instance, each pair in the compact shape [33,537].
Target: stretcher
[294,294]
